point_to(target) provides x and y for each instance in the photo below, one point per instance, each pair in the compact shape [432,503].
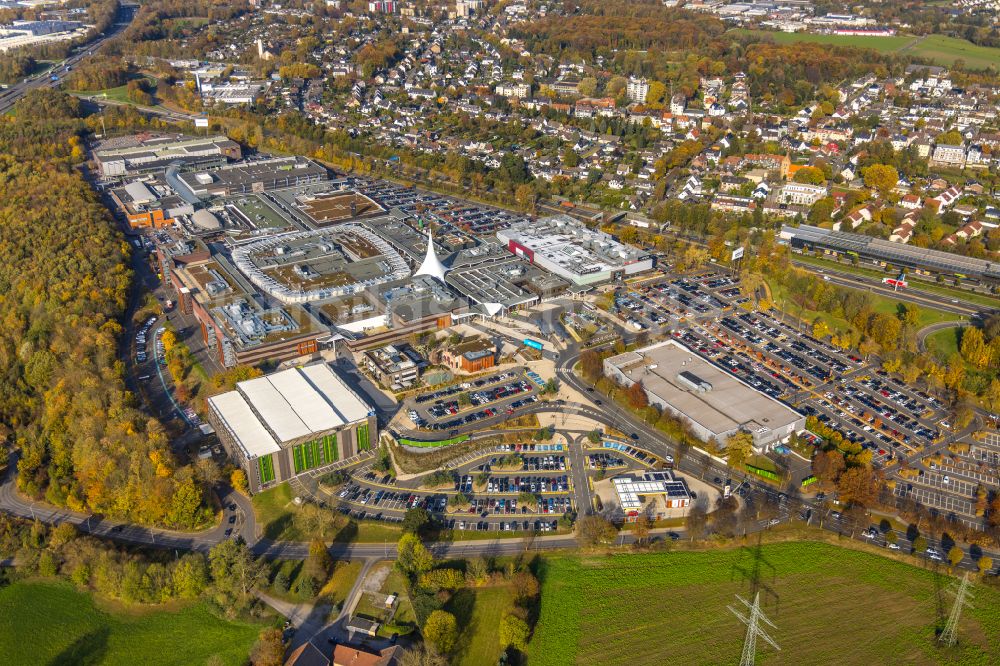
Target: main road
[10,96]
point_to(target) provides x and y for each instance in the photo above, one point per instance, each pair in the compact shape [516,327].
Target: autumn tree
[696,521]
[859,485]
[955,556]
[441,631]
[514,632]
[641,528]
[318,562]
[810,175]
[974,349]
[238,479]
[413,558]
[269,650]
[525,587]
[235,574]
[656,95]
[739,448]
[169,340]
[592,365]
[637,396]
[881,177]
[422,655]
[594,530]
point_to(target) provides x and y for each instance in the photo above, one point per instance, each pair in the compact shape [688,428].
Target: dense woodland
[63,286]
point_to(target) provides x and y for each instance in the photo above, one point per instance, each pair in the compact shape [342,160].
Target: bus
[534,344]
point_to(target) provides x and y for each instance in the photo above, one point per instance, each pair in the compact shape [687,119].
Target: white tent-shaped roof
[431,266]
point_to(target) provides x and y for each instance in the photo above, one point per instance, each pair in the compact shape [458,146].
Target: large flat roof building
[237,327]
[571,250]
[291,422]
[716,403]
[142,154]
[253,176]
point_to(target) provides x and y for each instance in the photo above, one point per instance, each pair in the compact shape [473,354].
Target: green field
[119,94]
[52,623]
[940,49]
[830,606]
[478,612]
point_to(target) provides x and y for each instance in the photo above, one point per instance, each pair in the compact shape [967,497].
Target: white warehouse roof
[237,416]
[264,412]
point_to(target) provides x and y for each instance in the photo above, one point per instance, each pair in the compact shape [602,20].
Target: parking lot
[468,402]
[450,214]
[543,473]
[878,412]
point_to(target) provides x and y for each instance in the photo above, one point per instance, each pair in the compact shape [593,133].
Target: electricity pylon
[754,629]
[949,636]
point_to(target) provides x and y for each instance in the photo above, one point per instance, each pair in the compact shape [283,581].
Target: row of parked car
[464,386]
[511,526]
[140,339]
[484,414]
[528,484]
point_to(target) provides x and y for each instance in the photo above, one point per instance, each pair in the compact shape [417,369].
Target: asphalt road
[911,294]
[11,95]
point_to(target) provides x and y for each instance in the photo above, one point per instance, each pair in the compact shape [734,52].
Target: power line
[949,637]
[754,628]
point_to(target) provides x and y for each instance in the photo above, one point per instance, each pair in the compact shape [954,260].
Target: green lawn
[927,316]
[478,611]
[275,512]
[940,49]
[52,623]
[946,50]
[119,94]
[943,343]
[341,581]
[830,605]
[880,44]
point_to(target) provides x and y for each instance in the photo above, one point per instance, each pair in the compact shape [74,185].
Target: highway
[10,96]
[911,294]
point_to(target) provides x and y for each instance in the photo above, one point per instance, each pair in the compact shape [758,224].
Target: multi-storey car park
[122,156]
[293,421]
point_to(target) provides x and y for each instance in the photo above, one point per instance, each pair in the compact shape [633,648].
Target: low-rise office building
[396,366]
